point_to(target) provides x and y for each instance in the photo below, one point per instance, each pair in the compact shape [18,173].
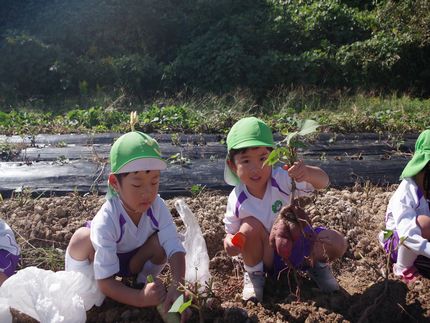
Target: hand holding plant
[287,152]
[292,220]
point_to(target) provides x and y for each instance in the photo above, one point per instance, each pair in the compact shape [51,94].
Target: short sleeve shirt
[242,204]
[7,239]
[405,205]
[113,231]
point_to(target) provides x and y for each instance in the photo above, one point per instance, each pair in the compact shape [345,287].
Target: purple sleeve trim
[242,197]
[151,215]
[121,226]
[420,195]
[275,184]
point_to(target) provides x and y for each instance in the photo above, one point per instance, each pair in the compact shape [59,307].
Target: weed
[176,139]
[9,152]
[61,144]
[179,159]
[22,194]
[49,258]
[201,297]
[197,189]
[133,120]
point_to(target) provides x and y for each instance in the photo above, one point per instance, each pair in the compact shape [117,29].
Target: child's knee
[252,228]
[159,254]
[80,246]
[423,221]
[329,245]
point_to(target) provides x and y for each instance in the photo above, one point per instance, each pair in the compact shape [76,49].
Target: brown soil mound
[44,226]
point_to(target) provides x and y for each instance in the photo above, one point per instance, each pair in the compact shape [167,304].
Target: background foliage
[79,49]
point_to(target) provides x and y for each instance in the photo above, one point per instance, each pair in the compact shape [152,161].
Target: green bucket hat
[245,133]
[132,152]
[421,155]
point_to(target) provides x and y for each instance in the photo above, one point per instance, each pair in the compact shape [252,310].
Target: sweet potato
[280,238]
[288,227]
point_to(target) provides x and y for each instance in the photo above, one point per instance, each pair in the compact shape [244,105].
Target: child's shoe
[407,275]
[323,277]
[253,285]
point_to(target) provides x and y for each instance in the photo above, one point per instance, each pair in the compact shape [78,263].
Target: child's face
[138,190]
[248,166]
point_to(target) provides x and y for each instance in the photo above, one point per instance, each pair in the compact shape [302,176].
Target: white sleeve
[231,221]
[7,239]
[284,181]
[304,189]
[104,235]
[167,234]
[404,214]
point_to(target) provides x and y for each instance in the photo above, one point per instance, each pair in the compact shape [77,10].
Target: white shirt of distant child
[7,239]
[242,204]
[405,205]
[111,235]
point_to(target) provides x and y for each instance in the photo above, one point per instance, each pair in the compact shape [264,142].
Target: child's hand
[229,247]
[298,171]
[152,294]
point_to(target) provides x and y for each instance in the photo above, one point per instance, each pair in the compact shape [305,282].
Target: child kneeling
[408,216]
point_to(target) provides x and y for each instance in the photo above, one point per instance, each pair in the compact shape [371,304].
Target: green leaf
[273,157]
[387,233]
[184,306]
[308,127]
[290,137]
[179,305]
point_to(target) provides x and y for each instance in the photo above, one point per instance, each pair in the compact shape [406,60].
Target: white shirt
[403,208]
[242,204]
[7,239]
[113,231]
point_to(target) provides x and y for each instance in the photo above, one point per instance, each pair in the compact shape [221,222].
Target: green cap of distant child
[421,155]
[132,152]
[247,132]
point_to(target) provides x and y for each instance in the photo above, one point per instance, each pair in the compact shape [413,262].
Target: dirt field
[357,212]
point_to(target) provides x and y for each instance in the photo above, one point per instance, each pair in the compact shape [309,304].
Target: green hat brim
[140,164]
[415,165]
[253,143]
[229,176]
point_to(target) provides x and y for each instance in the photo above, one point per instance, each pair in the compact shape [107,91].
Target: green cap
[247,132]
[421,156]
[132,152]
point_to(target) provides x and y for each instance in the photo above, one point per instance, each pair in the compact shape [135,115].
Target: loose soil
[44,226]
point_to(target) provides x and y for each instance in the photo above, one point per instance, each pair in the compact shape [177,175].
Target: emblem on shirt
[276,207]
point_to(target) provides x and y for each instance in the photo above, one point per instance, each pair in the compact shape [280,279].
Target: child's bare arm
[177,267]
[151,295]
[311,174]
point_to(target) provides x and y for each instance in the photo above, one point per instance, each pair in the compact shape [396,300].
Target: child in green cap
[259,194]
[408,216]
[133,233]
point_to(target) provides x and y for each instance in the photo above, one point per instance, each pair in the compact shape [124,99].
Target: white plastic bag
[197,258]
[48,296]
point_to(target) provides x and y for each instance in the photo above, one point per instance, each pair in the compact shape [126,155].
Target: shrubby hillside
[80,48]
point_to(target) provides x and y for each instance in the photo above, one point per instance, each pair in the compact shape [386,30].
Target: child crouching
[133,233]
